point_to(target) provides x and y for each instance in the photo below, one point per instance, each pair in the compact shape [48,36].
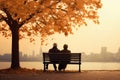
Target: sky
[86,39]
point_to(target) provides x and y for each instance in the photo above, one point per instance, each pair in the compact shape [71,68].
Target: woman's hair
[65,46]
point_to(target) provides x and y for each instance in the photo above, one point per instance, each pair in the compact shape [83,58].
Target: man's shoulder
[50,50]
[65,51]
[54,50]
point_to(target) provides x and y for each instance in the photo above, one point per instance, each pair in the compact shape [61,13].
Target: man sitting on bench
[54,49]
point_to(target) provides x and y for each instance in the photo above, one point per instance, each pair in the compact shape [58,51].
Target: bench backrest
[72,57]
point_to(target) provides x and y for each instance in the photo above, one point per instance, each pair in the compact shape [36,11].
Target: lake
[84,65]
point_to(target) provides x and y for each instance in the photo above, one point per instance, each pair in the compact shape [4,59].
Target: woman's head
[65,46]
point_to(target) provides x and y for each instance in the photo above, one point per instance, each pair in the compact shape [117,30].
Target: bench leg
[44,68]
[79,68]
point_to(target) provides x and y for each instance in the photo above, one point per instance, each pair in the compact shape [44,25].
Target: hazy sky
[87,39]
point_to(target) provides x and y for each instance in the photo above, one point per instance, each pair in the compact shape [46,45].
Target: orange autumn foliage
[45,17]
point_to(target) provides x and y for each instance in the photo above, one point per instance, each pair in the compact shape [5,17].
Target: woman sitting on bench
[63,64]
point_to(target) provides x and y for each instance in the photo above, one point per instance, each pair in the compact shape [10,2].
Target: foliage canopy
[45,17]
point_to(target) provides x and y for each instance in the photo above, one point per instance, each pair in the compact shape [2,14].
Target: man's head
[55,44]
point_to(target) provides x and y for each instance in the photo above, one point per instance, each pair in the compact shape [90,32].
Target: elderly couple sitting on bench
[63,64]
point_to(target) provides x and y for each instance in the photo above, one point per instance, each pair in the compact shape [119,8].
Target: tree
[21,18]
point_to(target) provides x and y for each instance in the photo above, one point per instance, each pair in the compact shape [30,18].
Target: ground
[32,74]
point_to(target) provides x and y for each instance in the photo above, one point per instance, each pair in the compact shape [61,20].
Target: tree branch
[23,22]
[37,11]
[8,19]
[2,17]
[50,6]
[8,14]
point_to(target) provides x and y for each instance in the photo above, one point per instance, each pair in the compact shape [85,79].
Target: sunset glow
[86,39]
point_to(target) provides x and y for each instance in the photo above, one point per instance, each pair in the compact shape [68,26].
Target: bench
[57,58]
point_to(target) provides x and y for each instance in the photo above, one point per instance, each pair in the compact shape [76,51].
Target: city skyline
[102,56]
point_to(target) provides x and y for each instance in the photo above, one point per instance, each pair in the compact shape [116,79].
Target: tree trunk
[15,64]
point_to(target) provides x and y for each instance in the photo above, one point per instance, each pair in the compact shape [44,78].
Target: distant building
[118,51]
[103,50]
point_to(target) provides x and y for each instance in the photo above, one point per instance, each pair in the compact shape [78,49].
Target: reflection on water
[84,65]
